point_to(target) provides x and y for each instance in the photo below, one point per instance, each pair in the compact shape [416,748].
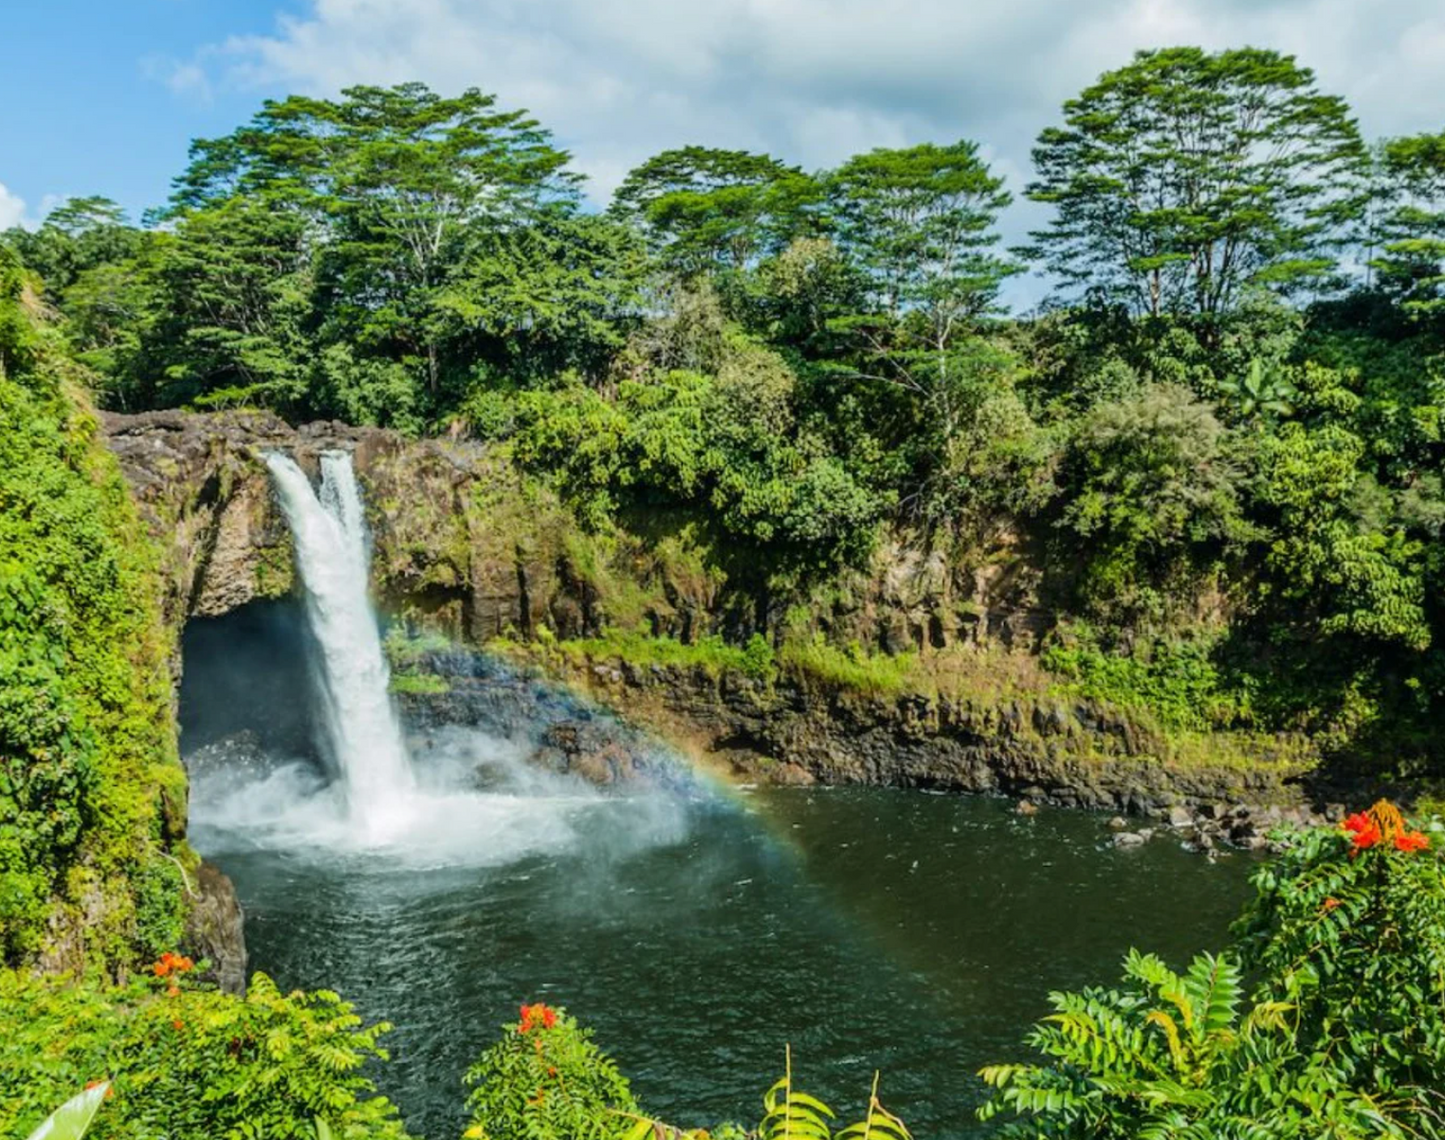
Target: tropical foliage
[182,1059]
[1222,429]
[92,795]
[1325,1019]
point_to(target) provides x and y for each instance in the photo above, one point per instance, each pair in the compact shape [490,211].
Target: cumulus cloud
[816,80]
[12,209]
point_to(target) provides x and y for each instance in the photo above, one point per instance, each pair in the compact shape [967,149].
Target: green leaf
[72,1119]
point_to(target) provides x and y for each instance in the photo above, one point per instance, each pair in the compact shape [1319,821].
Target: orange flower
[177,1024]
[538,1016]
[172,964]
[1364,829]
[1331,903]
[1382,824]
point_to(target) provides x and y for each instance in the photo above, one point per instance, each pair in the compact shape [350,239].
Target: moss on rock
[92,793]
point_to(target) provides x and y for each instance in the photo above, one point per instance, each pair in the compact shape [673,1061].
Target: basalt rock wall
[474,547]
[465,539]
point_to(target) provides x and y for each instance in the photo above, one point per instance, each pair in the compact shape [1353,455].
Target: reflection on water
[914,933]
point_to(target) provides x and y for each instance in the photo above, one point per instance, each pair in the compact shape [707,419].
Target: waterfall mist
[445,796]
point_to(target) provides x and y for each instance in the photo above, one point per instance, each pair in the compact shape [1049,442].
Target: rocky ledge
[793,731]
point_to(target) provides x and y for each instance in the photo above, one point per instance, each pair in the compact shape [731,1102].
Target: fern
[792,1115]
[1214,990]
[879,1124]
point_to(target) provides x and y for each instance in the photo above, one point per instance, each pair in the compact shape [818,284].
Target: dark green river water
[915,933]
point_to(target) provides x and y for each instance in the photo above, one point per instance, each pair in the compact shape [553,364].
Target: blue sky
[102,96]
[88,108]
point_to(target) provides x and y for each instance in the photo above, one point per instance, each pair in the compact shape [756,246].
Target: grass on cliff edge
[986,678]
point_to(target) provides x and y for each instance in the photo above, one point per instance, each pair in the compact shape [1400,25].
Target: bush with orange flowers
[1348,928]
[1325,1019]
[186,1060]
[546,1080]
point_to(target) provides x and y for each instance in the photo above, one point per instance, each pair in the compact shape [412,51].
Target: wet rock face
[463,539]
[215,929]
[460,538]
[1079,755]
[203,490]
[556,731]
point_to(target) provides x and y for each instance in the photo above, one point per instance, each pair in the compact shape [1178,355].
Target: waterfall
[360,734]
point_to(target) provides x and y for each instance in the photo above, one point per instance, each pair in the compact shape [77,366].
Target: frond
[1171,1032]
[1213,989]
[879,1124]
[792,1115]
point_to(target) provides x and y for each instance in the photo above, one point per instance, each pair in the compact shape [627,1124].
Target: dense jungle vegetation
[1221,433]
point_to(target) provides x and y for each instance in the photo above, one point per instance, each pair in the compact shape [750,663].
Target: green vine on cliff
[92,793]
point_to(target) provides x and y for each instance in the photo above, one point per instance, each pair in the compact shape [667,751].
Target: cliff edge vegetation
[93,861]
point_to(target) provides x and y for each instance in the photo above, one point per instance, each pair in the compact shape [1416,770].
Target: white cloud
[12,208]
[15,211]
[184,77]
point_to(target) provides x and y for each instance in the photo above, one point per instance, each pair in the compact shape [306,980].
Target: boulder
[214,929]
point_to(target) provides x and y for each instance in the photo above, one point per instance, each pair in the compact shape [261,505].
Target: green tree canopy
[706,209]
[1411,258]
[79,234]
[1186,177]
[917,227]
[396,181]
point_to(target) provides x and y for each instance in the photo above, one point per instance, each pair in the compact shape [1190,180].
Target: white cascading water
[470,800]
[361,734]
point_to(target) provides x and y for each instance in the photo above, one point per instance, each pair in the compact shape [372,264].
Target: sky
[103,96]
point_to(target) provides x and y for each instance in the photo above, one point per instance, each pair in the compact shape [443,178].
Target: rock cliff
[465,539]
[466,542]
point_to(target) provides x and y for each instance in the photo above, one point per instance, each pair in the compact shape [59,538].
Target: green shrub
[189,1062]
[1351,934]
[87,741]
[1343,1035]
[546,1080]
[1175,679]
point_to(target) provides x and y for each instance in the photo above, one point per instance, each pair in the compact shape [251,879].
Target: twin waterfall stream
[361,737]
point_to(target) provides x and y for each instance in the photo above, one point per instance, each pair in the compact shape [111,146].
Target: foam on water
[475,802]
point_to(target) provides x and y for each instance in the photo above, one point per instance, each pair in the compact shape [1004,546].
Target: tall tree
[1186,177]
[1411,255]
[920,223]
[559,295]
[78,235]
[395,181]
[917,225]
[706,209]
